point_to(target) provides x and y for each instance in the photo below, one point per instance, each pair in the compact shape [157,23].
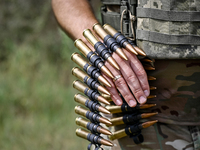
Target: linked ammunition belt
[96,97]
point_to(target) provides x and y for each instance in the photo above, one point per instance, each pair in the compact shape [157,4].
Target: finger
[121,85]
[131,79]
[140,73]
[114,94]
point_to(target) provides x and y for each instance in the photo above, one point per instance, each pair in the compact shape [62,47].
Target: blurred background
[36,94]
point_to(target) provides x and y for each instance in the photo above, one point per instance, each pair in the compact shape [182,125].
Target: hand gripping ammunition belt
[94,91]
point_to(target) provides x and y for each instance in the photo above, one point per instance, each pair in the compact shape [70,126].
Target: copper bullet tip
[104,81]
[147,115]
[105,70]
[113,63]
[149,68]
[106,142]
[149,123]
[103,110]
[103,90]
[146,60]
[130,48]
[151,96]
[121,53]
[144,106]
[105,131]
[139,51]
[104,120]
[151,78]
[153,88]
[103,100]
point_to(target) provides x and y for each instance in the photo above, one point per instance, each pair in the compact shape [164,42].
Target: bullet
[146,60]
[92,57]
[126,108]
[92,137]
[91,70]
[107,97]
[120,38]
[93,117]
[138,50]
[151,96]
[93,106]
[93,84]
[148,67]
[151,78]
[129,118]
[99,47]
[92,127]
[153,88]
[89,92]
[109,40]
[130,130]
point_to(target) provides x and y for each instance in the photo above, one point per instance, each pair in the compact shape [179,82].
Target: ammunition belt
[94,90]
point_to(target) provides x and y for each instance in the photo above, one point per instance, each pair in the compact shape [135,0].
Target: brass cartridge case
[83,48]
[86,135]
[79,73]
[81,122]
[84,123]
[78,59]
[120,120]
[81,111]
[80,99]
[102,33]
[82,75]
[84,89]
[92,39]
[121,133]
[79,86]
[110,29]
[83,100]
[118,109]
[81,133]
[99,30]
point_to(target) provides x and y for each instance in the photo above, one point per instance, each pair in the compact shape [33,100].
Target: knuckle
[131,78]
[126,97]
[141,72]
[120,82]
[137,91]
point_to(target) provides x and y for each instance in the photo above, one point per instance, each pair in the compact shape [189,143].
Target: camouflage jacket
[165,29]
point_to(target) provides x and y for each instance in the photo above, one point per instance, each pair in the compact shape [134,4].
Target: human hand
[131,80]
[132,75]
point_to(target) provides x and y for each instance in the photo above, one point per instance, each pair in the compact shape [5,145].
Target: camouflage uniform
[177,71]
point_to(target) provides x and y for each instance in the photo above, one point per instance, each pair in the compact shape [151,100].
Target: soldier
[168,31]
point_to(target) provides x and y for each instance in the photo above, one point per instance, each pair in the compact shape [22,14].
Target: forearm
[74,16]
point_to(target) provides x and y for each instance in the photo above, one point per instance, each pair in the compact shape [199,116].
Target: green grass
[36,97]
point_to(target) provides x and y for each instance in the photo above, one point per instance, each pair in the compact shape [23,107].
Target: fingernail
[118,102]
[132,103]
[142,99]
[146,92]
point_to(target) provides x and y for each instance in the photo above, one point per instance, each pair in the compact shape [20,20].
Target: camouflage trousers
[178,107]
